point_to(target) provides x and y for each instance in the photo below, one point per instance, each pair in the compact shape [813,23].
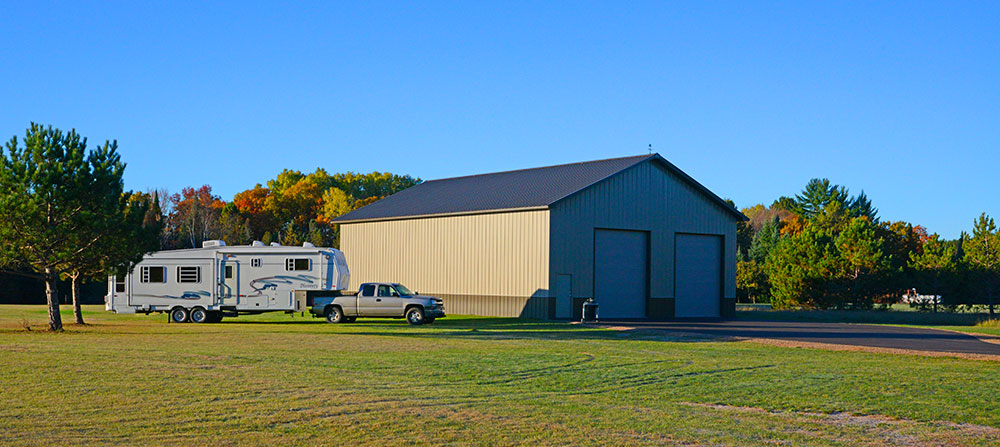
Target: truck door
[229,287]
[367,301]
[388,303]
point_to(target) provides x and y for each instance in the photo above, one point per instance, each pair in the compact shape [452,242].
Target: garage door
[698,286]
[620,266]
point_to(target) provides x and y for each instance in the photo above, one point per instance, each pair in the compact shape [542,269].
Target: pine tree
[982,252]
[44,202]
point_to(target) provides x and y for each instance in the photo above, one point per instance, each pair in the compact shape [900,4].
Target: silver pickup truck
[378,300]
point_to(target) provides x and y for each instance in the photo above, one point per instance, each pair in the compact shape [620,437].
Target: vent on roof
[308,245]
[257,244]
[275,244]
[213,243]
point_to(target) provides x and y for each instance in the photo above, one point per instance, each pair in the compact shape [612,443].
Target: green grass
[274,379]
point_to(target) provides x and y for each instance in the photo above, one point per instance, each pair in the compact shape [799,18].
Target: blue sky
[752,99]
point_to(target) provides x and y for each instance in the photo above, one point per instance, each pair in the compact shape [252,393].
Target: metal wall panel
[483,264]
[645,197]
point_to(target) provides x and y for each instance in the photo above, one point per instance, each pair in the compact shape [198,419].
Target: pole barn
[637,234]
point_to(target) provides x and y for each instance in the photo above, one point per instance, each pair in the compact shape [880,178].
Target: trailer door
[229,288]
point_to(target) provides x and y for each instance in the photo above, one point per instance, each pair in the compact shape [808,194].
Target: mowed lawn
[277,379]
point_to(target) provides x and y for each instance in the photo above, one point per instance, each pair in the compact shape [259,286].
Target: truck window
[154,274]
[368,290]
[384,291]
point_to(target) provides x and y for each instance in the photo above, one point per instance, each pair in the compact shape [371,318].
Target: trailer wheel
[334,315]
[415,316]
[179,315]
[199,315]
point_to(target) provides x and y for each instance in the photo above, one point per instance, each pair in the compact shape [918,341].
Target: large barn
[637,234]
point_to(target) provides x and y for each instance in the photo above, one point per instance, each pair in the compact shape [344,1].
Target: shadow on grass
[870,317]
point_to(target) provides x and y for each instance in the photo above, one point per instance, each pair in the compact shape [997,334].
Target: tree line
[826,249]
[65,214]
[292,208]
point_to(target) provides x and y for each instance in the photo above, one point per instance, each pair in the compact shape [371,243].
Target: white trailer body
[238,279]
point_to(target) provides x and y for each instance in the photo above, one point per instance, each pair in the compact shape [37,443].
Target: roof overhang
[431,216]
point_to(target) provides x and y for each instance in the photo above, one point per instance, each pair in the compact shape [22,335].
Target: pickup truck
[378,300]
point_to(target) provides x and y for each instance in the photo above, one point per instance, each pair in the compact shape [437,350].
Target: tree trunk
[76,298]
[51,295]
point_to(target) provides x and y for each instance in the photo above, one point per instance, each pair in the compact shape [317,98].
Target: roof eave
[434,215]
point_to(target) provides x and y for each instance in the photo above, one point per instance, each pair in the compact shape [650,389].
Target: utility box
[589,311]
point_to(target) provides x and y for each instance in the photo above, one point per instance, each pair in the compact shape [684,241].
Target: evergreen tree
[46,205]
[861,206]
[817,195]
[763,241]
[982,253]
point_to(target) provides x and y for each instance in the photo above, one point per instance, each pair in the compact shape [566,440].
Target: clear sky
[753,99]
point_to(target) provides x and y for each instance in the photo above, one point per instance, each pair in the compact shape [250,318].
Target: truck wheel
[199,315]
[415,316]
[179,315]
[334,315]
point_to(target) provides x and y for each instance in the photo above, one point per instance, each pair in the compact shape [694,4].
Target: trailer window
[154,274]
[119,284]
[297,264]
[189,274]
[229,272]
[256,262]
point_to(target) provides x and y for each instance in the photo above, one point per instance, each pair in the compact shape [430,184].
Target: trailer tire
[179,315]
[415,315]
[334,314]
[199,315]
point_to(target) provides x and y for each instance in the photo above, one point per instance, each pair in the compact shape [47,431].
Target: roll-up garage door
[698,268]
[620,273]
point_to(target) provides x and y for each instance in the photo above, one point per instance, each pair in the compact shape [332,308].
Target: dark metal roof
[510,190]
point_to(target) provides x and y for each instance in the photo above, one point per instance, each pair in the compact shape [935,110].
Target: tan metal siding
[484,264]
[645,197]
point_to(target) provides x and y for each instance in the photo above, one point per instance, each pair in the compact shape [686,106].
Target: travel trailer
[204,284]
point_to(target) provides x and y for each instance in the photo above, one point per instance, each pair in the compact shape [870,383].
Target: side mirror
[395,294]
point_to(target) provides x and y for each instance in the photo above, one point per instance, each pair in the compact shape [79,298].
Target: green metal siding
[645,197]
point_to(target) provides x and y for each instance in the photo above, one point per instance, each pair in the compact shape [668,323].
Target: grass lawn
[274,379]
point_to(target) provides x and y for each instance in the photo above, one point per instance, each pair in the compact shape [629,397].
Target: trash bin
[589,311]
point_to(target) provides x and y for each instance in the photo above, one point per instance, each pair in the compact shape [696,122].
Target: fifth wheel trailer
[203,284]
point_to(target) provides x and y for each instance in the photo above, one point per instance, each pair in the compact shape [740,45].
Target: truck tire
[334,315]
[199,315]
[415,316]
[179,315]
